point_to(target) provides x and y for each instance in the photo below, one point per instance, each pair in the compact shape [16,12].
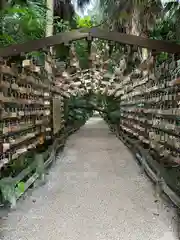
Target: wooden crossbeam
[43,43]
[65,37]
[157,45]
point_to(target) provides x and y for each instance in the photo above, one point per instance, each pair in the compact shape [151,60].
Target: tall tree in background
[22,20]
[126,15]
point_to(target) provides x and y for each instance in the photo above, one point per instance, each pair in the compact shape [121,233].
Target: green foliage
[76,111]
[61,26]
[80,45]
[84,22]
[165,29]
[110,107]
[82,53]
[79,109]
[168,27]
[21,187]
[19,24]
[26,20]
[115,115]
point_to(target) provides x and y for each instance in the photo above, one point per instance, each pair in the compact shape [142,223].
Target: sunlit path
[94,192]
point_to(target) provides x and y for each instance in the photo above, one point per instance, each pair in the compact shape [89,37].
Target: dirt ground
[95,191]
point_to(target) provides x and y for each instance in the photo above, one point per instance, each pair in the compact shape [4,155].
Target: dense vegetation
[77,110]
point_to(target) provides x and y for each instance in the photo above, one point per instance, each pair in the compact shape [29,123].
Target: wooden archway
[66,37]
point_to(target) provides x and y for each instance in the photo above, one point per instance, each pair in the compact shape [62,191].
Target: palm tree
[131,16]
[172,10]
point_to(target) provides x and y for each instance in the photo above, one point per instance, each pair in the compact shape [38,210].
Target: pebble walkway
[95,191]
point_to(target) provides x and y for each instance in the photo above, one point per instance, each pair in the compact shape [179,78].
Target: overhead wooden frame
[142,42]
[65,37]
[43,43]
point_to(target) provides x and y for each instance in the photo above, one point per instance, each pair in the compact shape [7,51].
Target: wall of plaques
[26,110]
[150,109]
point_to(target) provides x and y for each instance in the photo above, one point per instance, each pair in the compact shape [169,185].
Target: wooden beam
[158,45]
[65,37]
[35,45]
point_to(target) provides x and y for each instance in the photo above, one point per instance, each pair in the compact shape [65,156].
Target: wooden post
[40,167]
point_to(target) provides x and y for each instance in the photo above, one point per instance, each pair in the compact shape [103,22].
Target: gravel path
[94,192]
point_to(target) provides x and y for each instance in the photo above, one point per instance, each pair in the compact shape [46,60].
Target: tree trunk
[2,7]
[49,18]
[2,4]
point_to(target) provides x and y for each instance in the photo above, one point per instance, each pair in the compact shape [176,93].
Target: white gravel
[94,192]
